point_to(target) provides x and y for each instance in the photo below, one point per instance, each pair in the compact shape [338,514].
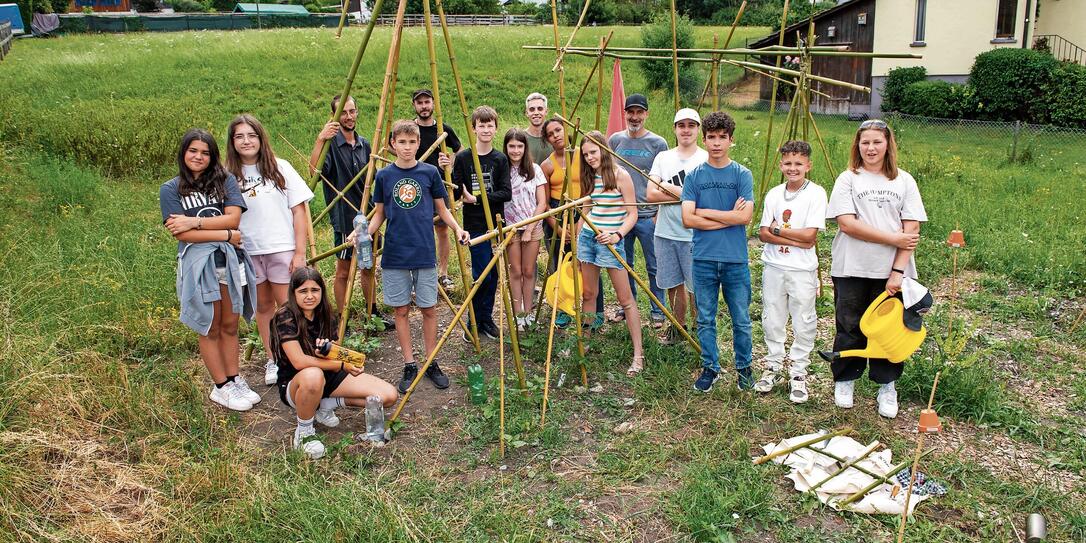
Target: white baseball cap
[687,114]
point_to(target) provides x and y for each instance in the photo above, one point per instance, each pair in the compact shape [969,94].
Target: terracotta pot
[929,421]
[956,239]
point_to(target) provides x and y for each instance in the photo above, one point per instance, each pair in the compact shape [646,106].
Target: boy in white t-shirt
[673,241]
[794,212]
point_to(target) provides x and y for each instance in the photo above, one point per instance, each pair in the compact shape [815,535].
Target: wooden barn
[850,24]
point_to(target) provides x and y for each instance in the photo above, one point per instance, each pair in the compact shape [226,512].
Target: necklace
[795,194]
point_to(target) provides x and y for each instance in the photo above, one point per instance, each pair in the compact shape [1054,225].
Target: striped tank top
[607,216]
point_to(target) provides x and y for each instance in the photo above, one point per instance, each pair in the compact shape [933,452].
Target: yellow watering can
[568,297]
[887,335]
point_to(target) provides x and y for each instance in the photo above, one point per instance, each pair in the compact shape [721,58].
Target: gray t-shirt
[880,203]
[640,152]
[672,170]
[539,148]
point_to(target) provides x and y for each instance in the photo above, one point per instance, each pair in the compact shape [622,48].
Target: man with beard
[535,108]
[423,100]
[639,146]
[348,154]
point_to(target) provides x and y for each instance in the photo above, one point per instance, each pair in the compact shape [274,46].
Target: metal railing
[5,39]
[1060,47]
[462,20]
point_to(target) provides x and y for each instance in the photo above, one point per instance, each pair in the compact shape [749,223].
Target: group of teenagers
[242,224]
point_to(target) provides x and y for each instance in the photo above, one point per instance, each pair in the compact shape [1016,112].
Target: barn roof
[802,25]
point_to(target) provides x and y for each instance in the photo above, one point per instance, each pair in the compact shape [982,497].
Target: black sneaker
[746,378]
[437,377]
[489,329]
[410,371]
[705,380]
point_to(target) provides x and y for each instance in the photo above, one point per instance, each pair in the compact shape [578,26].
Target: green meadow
[106,433]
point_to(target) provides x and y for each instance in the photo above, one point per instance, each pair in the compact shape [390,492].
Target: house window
[921,21]
[1005,18]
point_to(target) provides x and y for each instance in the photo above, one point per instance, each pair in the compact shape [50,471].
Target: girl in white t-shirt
[878,210]
[274,223]
[529,199]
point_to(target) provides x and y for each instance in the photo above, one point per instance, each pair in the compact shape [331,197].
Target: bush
[938,99]
[632,12]
[1008,82]
[658,73]
[145,6]
[187,6]
[600,12]
[893,91]
[1063,97]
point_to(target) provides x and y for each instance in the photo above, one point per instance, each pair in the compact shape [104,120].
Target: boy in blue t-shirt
[717,203]
[407,193]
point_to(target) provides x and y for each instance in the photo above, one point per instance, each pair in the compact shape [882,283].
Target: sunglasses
[873,123]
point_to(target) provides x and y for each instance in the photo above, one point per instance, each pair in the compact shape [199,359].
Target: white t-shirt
[806,210]
[267,226]
[672,170]
[880,203]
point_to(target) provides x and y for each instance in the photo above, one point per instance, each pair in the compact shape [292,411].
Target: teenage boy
[672,240]
[348,154]
[639,146]
[793,214]
[495,180]
[407,193]
[423,100]
[717,203]
[535,109]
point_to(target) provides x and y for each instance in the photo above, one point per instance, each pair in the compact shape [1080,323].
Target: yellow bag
[567,297]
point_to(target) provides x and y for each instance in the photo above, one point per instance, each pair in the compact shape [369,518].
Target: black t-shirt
[427,137]
[284,329]
[342,164]
[496,179]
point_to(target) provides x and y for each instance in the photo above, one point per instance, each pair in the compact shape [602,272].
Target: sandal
[636,366]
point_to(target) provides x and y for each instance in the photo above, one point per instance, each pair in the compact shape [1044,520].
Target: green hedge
[1009,81]
[897,80]
[1065,97]
[939,99]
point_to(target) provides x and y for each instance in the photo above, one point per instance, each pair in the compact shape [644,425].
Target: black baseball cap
[421,92]
[637,100]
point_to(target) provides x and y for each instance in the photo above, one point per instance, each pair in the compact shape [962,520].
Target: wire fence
[1024,141]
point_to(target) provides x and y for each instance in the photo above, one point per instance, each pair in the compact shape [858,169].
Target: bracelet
[341,365]
[902,272]
[229,235]
[619,234]
[199,226]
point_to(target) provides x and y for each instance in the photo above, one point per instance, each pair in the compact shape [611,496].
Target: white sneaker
[313,448]
[799,390]
[842,394]
[767,381]
[887,399]
[243,387]
[327,417]
[271,373]
[229,397]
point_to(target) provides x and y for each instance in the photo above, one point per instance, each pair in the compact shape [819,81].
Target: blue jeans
[710,278]
[644,231]
[483,302]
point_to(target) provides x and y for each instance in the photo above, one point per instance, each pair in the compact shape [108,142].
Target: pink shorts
[532,232]
[274,267]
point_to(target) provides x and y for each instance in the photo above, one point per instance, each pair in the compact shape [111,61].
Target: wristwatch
[776,230]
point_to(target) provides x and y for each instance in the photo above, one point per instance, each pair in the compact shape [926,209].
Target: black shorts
[332,380]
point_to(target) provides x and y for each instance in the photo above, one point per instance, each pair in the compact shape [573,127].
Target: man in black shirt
[495,167]
[423,100]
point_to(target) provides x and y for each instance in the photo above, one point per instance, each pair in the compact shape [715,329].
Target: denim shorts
[399,284]
[593,252]
[674,263]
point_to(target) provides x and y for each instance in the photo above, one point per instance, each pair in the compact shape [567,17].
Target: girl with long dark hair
[529,187]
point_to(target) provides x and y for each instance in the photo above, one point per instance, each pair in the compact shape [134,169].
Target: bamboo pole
[392,94]
[599,85]
[674,56]
[502,281]
[866,452]
[346,92]
[448,302]
[507,307]
[818,135]
[345,311]
[554,317]
[764,174]
[343,17]
[561,73]
[588,80]
[578,316]
[645,286]
[713,80]
[445,335]
[530,220]
[806,443]
[433,147]
[831,51]
[580,21]
[894,470]
[461,258]
[916,463]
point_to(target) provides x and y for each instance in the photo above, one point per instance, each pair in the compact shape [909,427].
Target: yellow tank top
[559,174]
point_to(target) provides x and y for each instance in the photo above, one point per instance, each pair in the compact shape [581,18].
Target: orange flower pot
[956,239]
[929,422]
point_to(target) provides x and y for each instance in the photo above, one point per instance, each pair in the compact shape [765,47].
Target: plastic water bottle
[375,419]
[363,244]
[476,384]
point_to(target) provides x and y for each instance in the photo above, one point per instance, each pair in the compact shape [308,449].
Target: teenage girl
[529,199]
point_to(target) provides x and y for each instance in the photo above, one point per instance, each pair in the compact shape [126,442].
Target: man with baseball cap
[639,146]
[423,100]
[672,240]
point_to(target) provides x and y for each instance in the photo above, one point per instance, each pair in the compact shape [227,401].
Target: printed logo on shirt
[250,184]
[204,206]
[475,184]
[678,178]
[407,193]
[880,197]
[642,153]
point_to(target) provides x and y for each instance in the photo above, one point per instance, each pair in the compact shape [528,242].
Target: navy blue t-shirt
[198,204]
[719,188]
[408,197]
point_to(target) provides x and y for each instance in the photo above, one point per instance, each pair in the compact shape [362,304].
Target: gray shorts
[399,284]
[674,263]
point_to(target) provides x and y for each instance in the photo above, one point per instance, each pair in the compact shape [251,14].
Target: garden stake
[502,278]
[448,302]
[520,224]
[593,71]
[461,258]
[599,84]
[507,306]
[346,92]
[956,240]
[554,317]
[674,56]
[577,311]
[870,449]
[916,463]
[823,437]
[772,51]
[448,331]
[828,454]
[571,144]
[561,73]
[894,470]
[580,20]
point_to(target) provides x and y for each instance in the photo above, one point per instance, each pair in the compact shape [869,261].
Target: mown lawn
[106,433]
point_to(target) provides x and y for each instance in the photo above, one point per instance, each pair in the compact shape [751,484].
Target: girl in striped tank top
[611,189]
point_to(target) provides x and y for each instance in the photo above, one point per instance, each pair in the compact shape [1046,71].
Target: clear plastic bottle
[363,243]
[375,419]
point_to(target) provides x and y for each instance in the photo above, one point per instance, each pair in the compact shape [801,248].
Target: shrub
[893,91]
[145,6]
[1063,97]
[658,73]
[600,12]
[187,6]
[939,99]
[1008,82]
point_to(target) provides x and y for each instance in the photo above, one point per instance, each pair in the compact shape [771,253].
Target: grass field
[106,433]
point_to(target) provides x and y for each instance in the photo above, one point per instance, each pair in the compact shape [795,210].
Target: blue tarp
[10,13]
[271,9]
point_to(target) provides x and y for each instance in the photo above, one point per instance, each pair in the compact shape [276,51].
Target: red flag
[616,118]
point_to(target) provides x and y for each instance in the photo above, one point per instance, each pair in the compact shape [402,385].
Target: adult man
[673,240]
[348,154]
[535,108]
[423,100]
[639,146]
